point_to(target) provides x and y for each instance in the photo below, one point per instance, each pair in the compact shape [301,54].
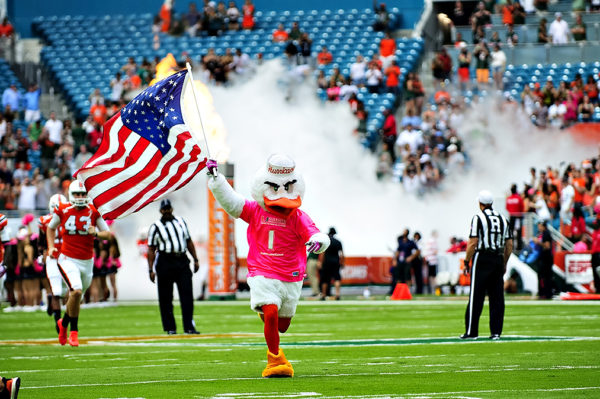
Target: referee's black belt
[491,252]
[173,254]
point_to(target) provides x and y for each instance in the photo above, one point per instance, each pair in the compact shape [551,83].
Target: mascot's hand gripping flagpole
[210,161]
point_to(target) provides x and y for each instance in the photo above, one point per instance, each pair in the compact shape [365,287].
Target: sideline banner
[358,270]
[222,282]
[578,269]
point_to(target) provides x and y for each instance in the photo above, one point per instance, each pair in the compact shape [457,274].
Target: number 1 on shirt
[271,239]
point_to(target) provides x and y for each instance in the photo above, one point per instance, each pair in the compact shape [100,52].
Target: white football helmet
[55,200]
[77,187]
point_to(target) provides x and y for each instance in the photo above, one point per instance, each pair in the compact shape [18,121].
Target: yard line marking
[397,396]
[330,376]
[100,368]
[267,395]
[53,341]
[109,341]
[175,341]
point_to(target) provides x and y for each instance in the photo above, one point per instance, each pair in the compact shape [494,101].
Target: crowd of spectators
[214,19]
[427,147]
[561,198]
[567,200]
[515,13]
[40,161]
[380,74]
[556,103]
[562,105]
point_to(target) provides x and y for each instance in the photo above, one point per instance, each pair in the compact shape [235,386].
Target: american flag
[147,151]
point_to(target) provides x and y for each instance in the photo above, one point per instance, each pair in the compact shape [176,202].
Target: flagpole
[189,69]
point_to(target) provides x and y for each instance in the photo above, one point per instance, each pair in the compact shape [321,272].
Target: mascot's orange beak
[283,206]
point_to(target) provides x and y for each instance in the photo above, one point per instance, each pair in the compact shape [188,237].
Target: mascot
[279,235]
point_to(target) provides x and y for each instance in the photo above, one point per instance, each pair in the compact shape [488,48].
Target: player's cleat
[12,387]
[192,332]
[171,332]
[62,333]
[495,337]
[466,336]
[277,366]
[73,338]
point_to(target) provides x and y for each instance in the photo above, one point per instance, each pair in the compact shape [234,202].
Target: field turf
[345,349]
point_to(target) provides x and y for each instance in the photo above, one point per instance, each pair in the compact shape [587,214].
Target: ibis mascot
[279,236]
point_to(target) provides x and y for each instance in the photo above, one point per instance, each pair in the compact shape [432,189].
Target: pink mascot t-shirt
[277,244]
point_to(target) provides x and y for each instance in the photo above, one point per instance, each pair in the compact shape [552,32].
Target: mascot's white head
[277,187]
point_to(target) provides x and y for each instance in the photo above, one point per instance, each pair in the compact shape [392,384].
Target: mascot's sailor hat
[277,186]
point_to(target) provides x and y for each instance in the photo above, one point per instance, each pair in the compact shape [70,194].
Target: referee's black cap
[165,204]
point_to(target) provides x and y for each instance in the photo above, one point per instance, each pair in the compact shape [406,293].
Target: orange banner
[222,281]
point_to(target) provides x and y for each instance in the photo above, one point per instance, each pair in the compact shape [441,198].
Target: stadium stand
[7,76]
[85,52]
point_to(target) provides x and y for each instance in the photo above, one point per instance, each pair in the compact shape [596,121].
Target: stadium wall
[22,12]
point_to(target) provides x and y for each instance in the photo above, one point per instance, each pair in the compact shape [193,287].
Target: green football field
[345,349]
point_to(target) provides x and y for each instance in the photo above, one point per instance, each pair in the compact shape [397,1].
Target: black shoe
[466,336]
[192,332]
[495,337]
[171,332]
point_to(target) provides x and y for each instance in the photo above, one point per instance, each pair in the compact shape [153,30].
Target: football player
[81,223]
[57,285]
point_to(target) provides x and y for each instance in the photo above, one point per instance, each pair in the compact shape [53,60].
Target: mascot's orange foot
[277,366]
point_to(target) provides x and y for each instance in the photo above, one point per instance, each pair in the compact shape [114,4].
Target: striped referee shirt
[491,229]
[169,236]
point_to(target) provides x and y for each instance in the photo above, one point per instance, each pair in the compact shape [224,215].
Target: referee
[168,263]
[490,245]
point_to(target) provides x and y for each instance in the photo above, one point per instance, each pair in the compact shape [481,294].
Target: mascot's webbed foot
[277,366]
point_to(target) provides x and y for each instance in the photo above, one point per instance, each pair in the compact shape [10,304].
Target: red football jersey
[77,243]
[43,222]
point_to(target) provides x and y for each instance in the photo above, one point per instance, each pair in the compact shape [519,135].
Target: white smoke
[341,188]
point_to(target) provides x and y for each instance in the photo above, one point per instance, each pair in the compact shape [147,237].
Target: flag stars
[164,90]
[157,98]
